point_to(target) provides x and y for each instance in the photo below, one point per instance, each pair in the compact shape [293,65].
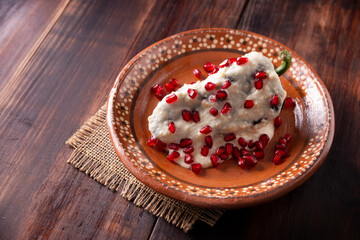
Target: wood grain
[67,69]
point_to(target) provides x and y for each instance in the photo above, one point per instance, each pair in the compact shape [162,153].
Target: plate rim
[203,201]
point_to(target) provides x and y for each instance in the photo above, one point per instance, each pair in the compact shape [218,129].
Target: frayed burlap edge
[94,155]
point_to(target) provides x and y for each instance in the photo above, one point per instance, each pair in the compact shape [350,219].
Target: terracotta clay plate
[311,123]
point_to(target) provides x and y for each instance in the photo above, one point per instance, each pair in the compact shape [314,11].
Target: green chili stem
[285,65]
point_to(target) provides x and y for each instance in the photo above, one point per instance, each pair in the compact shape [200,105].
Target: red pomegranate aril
[188,158]
[185,142]
[188,149]
[224,156]
[186,115]
[281,152]
[250,144]
[173,146]
[160,145]
[229,137]
[220,150]
[226,84]
[282,140]
[206,130]
[215,71]
[225,63]
[250,160]
[192,93]
[236,153]
[209,67]
[213,98]
[244,152]
[208,141]
[229,148]
[210,86]
[196,168]
[197,73]
[174,155]
[221,94]
[174,82]
[241,60]
[204,150]
[242,142]
[277,121]
[214,160]
[241,162]
[232,60]
[155,88]
[196,116]
[264,139]
[159,92]
[278,159]
[171,98]
[289,103]
[274,101]
[287,137]
[280,146]
[248,104]
[258,84]
[259,145]
[213,111]
[226,108]
[169,87]
[261,75]
[258,154]
[172,127]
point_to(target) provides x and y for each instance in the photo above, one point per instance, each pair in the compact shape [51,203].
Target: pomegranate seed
[229,137]
[186,115]
[204,150]
[226,108]
[174,82]
[172,127]
[282,153]
[209,67]
[215,71]
[173,146]
[151,141]
[169,87]
[241,162]
[213,111]
[242,142]
[196,116]
[196,168]
[197,73]
[280,146]
[282,140]
[244,152]
[250,144]
[259,145]
[185,142]
[264,139]
[274,101]
[188,159]
[277,121]
[220,150]
[214,160]
[278,159]
[261,75]
[258,84]
[210,86]
[229,148]
[248,103]
[224,156]
[226,84]
[289,103]
[171,98]
[206,130]
[155,88]
[192,93]
[287,137]
[221,94]
[159,91]
[188,149]
[241,60]
[174,155]
[213,98]
[225,63]
[258,154]
[250,160]
[208,141]
[232,60]
[160,145]
[236,153]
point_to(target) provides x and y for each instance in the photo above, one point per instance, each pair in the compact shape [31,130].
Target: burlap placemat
[94,155]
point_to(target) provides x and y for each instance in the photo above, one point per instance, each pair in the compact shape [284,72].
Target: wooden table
[58,61]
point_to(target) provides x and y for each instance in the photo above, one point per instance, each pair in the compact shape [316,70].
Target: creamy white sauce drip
[239,120]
